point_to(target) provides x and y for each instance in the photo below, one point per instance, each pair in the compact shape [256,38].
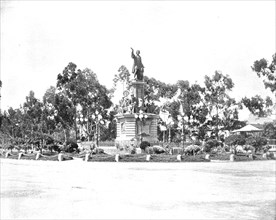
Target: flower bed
[242,157]
[102,158]
[133,158]
[196,158]
[222,156]
[142,158]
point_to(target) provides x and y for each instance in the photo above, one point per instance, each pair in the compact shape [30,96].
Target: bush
[158,150]
[71,147]
[210,144]
[266,148]
[192,150]
[144,145]
[257,142]
[235,140]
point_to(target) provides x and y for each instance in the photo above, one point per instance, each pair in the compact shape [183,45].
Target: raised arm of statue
[132,53]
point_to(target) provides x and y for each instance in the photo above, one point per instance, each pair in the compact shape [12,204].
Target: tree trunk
[65,135]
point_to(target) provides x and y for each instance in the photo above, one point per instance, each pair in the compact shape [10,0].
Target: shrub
[133,151]
[210,144]
[266,148]
[158,150]
[144,145]
[71,147]
[192,150]
[235,140]
[257,142]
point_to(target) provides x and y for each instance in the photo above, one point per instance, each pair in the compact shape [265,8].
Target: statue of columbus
[138,67]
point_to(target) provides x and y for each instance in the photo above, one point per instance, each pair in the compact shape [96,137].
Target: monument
[134,122]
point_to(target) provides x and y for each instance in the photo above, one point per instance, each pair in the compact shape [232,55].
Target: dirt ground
[96,190]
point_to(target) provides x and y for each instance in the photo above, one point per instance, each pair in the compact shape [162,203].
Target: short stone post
[117,157]
[19,156]
[60,157]
[178,157]
[86,157]
[232,157]
[148,157]
[265,156]
[250,156]
[138,150]
[37,155]
[207,157]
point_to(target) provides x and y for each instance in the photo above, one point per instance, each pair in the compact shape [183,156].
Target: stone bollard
[7,154]
[265,156]
[117,157]
[86,157]
[148,157]
[60,157]
[232,157]
[250,156]
[138,151]
[19,156]
[37,155]
[207,157]
[178,157]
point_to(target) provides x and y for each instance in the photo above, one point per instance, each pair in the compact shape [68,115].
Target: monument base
[131,130]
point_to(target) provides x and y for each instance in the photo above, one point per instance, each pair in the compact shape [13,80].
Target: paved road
[79,190]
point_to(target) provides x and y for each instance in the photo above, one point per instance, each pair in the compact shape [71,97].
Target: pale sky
[178,40]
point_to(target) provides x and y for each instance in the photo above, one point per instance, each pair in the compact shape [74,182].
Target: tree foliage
[257,142]
[78,93]
[266,71]
[270,130]
[235,139]
[222,109]
[258,106]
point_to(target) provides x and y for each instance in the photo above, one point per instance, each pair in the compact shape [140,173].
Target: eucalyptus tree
[32,109]
[221,107]
[76,87]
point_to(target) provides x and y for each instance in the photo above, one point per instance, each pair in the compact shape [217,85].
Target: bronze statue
[138,67]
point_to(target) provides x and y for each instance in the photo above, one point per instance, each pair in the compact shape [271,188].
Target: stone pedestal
[138,89]
[130,128]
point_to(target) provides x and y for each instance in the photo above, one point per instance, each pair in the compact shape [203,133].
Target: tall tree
[33,112]
[76,87]
[218,100]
